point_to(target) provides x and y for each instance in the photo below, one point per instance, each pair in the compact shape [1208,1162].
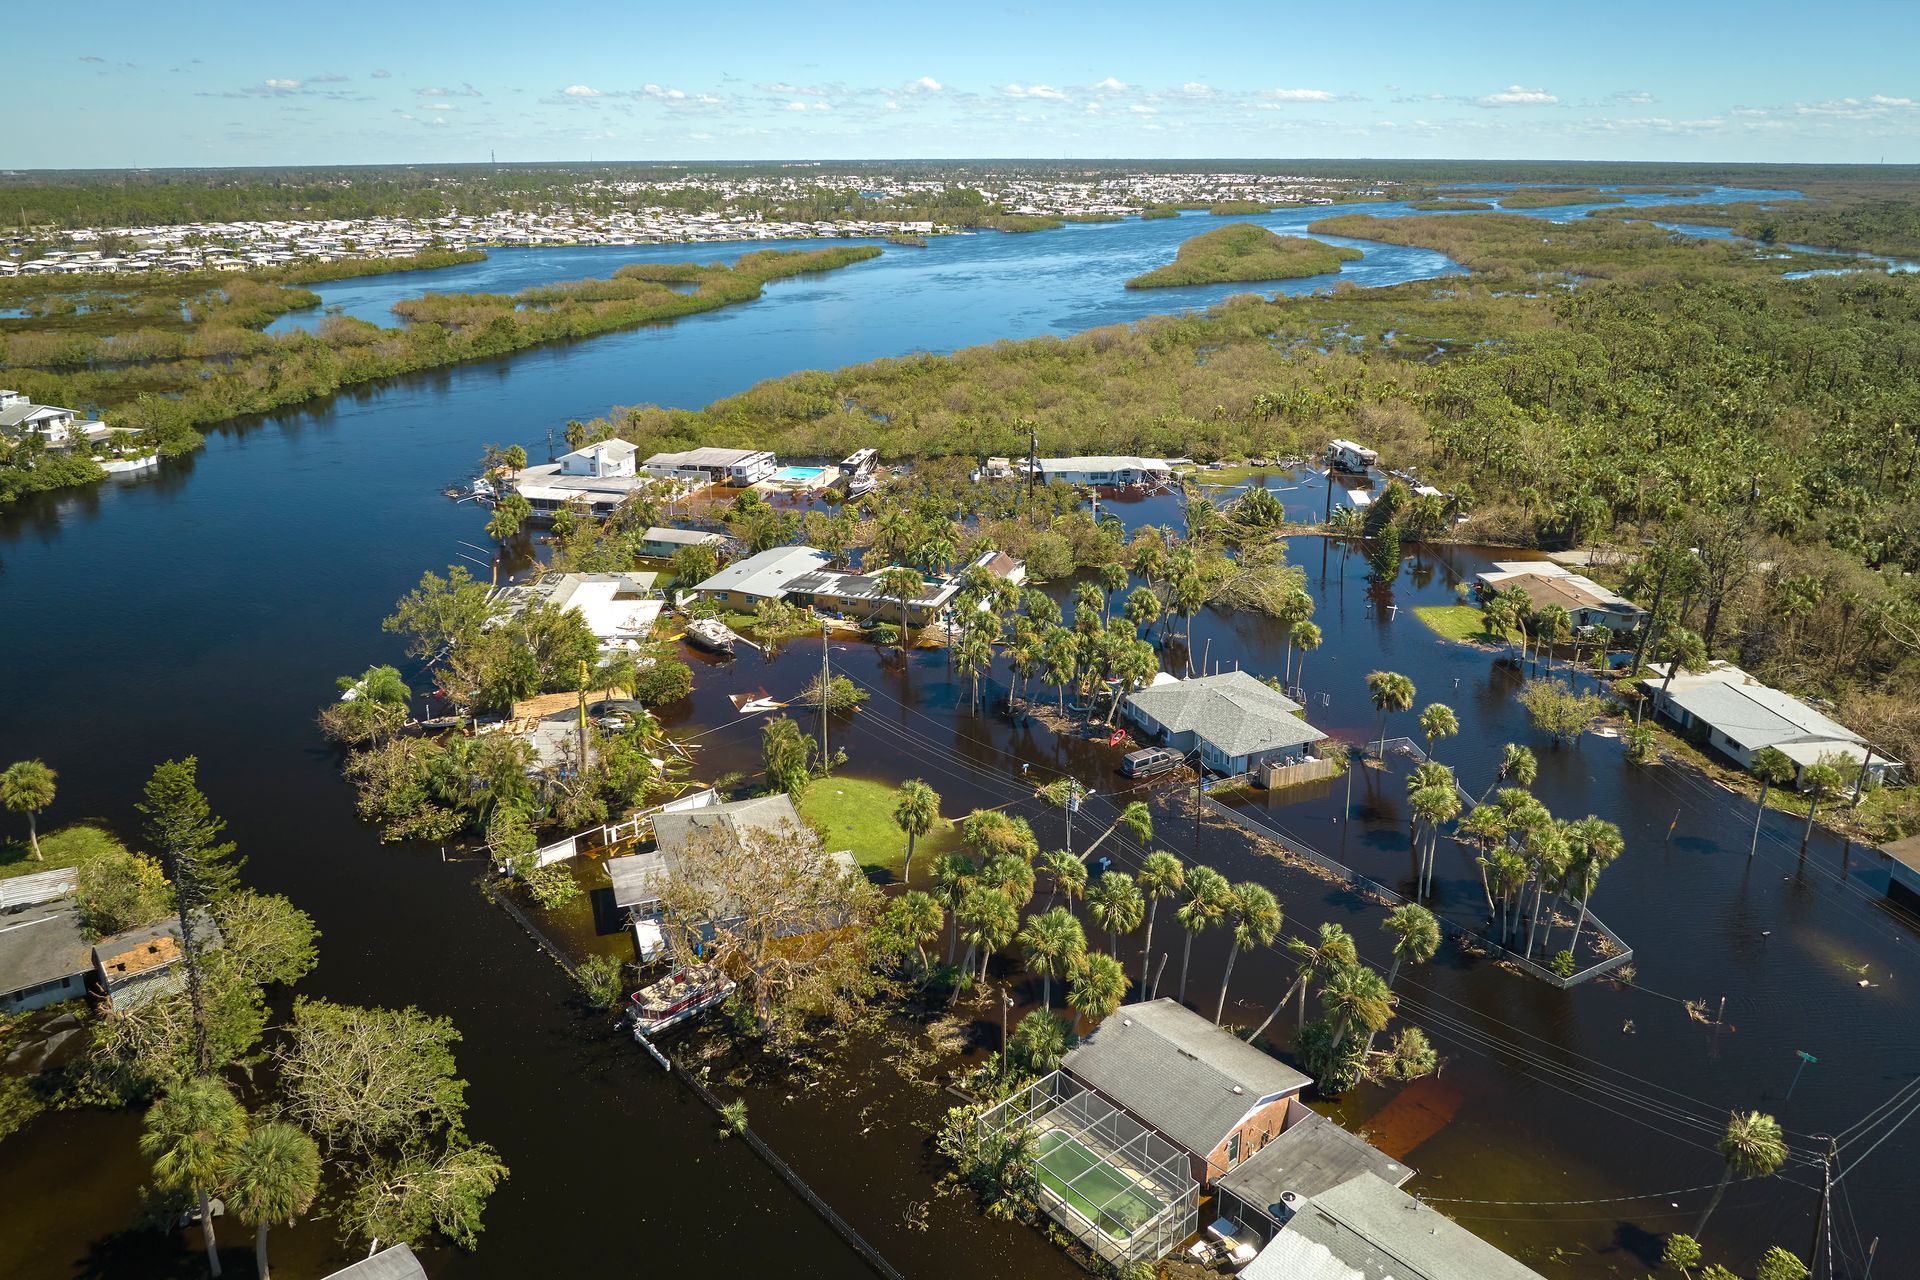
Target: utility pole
[1821,1229]
[583,715]
[1033,456]
[825,649]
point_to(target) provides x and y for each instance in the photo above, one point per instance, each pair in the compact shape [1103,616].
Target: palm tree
[1161,876]
[1355,993]
[1012,875]
[1416,936]
[1433,806]
[1390,692]
[1113,579]
[191,1136]
[1486,826]
[1517,765]
[1098,987]
[1306,638]
[1142,608]
[920,919]
[1054,944]
[1138,820]
[1774,769]
[1060,661]
[1116,905]
[1548,856]
[1596,844]
[1753,1147]
[1436,722]
[990,921]
[27,787]
[1553,624]
[1820,783]
[1256,919]
[915,812]
[1334,948]
[1207,893]
[953,878]
[1069,874]
[275,1175]
[972,657]
[902,585]
[1136,664]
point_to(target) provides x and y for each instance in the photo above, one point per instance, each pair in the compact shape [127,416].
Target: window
[1233,1150]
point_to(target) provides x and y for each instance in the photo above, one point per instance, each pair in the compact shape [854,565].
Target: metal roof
[1175,1071]
[1366,1229]
[1312,1156]
[1234,712]
[705,456]
[684,537]
[395,1262]
[770,573]
[1750,713]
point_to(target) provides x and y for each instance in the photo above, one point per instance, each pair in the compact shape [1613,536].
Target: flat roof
[682,537]
[42,944]
[706,456]
[770,573]
[1103,462]
[1313,1155]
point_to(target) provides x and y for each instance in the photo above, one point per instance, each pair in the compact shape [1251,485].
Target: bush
[120,890]
[603,978]
[551,887]
[665,680]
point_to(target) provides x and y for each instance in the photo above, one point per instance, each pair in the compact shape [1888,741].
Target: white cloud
[1634,97]
[1112,85]
[925,84]
[1032,91]
[580,91]
[1303,95]
[441,91]
[283,84]
[1518,96]
[440,106]
[1196,88]
[807,106]
[1882,100]
[1139,110]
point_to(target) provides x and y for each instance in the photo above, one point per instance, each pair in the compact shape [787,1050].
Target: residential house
[1903,868]
[1237,723]
[660,543]
[1312,1156]
[57,427]
[1737,715]
[737,468]
[619,608]
[595,479]
[136,966]
[604,459]
[1200,1087]
[1366,1228]
[769,575]
[1104,469]
[395,1262]
[640,880]
[43,957]
[1586,601]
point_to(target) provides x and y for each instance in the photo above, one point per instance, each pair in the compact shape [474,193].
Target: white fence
[637,827]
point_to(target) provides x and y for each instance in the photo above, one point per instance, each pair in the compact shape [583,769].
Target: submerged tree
[1752,1147]
[1390,692]
[202,868]
[191,1136]
[1256,917]
[1774,769]
[274,1176]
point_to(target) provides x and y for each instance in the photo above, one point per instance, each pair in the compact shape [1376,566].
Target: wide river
[207,611]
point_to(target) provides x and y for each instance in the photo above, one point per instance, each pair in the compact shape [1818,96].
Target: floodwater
[206,610]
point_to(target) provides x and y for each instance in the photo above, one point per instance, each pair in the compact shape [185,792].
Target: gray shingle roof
[1365,1229]
[1178,1073]
[1235,712]
[395,1262]
[672,831]
[1313,1156]
[42,944]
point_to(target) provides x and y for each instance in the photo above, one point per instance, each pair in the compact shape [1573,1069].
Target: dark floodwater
[208,609]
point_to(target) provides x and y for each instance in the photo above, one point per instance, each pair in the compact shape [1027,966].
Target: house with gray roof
[1237,723]
[768,575]
[1738,716]
[1312,1156]
[738,468]
[395,1262]
[1104,469]
[639,878]
[1368,1229]
[1200,1087]
[661,541]
[44,959]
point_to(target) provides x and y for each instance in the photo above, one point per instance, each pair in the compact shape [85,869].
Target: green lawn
[1460,622]
[1099,1193]
[67,847]
[857,814]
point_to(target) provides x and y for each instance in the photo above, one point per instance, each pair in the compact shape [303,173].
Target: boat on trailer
[680,996]
[711,633]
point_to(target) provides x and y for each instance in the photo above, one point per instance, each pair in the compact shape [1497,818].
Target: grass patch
[1226,477]
[857,814]
[67,847]
[1460,622]
[1245,252]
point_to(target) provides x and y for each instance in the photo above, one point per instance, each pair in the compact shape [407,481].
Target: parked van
[1148,763]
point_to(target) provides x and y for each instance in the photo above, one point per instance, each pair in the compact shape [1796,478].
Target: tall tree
[1752,1147]
[191,1135]
[1054,946]
[1069,875]
[1116,905]
[1820,783]
[27,787]
[273,1176]
[1333,949]
[183,831]
[1306,638]
[1437,721]
[915,811]
[1774,769]
[1098,988]
[1161,876]
[1354,993]
[1390,692]
[953,878]
[788,755]
[1256,917]
[1206,905]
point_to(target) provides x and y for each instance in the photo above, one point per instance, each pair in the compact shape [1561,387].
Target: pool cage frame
[1127,1151]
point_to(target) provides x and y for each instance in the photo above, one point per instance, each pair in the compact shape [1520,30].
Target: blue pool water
[799,475]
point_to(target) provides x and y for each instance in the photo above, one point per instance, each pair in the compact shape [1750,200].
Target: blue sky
[122,84]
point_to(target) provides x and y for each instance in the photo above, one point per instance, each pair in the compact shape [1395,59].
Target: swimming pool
[798,475]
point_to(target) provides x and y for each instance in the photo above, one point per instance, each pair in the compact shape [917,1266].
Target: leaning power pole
[1822,1228]
[825,649]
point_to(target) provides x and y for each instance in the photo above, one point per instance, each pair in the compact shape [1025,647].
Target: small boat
[711,633]
[681,995]
[861,485]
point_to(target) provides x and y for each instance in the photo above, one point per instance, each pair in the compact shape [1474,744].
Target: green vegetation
[1239,208]
[1460,622]
[1450,206]
[1153,211]
[1554,197]
[1243,251]
[142,367]
[1860,223]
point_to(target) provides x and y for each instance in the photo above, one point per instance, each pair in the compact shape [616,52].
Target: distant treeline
[1875,226]
[1245,252]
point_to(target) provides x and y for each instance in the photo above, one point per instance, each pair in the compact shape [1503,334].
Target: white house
[604,459]
[1236,722]
[1104,469]
[660,542]
[738,468]
[20,417]
[1737,715]
[766,576]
